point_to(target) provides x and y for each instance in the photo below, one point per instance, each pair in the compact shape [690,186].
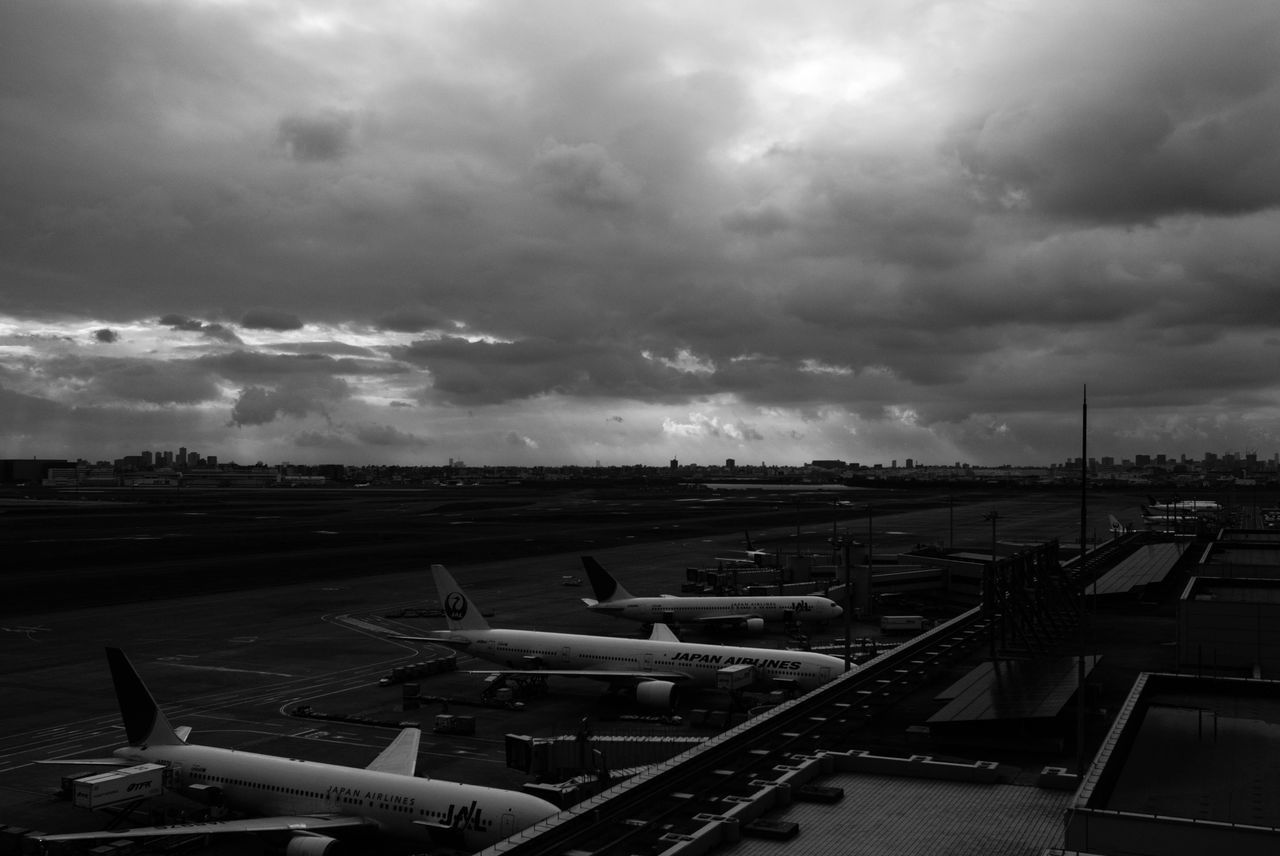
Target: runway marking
[227,669]
[25,630]
[360,624]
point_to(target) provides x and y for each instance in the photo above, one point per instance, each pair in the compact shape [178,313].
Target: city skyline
[564,232]
[184,458]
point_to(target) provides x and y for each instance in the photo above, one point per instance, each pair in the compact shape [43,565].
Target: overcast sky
[553,232]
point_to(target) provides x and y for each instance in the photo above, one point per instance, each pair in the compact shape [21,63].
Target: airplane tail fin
[459,611]
[401,757]
[662,633]
[144,723]
[602,582]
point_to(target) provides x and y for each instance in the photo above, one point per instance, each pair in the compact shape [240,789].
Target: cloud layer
[562,232]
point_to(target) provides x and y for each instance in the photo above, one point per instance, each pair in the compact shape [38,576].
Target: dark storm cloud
[209,330]
[270,319]
[584,175]
[127,381]
[387,435]
[863,225]
[259,405]
[323,137]
[488,372]
[759,221]
[119,427]
[248,366]
[106,335]
[1107,125]
[18,410]
[178,382]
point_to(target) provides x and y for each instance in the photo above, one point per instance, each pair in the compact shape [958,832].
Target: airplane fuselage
[406,807]
[698,664]
[772,610]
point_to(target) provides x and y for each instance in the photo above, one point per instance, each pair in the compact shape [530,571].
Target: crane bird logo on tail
[455,606]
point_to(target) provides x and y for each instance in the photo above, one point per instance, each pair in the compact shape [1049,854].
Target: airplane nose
[839,610]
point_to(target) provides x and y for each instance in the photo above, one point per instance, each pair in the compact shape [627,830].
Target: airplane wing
[450,641]
[724,620]
[295,823]
[401,757]
[591,674]
[89,762]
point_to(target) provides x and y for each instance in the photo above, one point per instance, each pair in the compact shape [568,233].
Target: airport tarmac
[232,664]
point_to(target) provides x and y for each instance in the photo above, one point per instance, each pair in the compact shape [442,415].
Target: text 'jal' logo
[455,606]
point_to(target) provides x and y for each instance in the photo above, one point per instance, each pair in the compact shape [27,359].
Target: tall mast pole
[1080,616]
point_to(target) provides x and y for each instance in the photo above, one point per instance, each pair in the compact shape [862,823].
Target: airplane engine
[755,625]
[660,694]
[312,844]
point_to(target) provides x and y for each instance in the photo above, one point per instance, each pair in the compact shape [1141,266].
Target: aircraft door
[507,825]
[648,662]
[567,656]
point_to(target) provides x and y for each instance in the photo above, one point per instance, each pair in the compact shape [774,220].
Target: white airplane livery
[307,800]
[651,668]
[745,612]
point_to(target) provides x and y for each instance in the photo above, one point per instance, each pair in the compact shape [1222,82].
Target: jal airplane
[650,668]
[745,612]
[307,800]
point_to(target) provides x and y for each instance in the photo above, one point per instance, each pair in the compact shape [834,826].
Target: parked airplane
[1166,513]
[307,800]
[1189,505]
[745,612]
[650,668]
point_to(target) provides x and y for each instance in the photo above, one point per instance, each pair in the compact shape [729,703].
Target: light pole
[989,595]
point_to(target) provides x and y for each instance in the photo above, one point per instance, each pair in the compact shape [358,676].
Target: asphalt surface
[236,609]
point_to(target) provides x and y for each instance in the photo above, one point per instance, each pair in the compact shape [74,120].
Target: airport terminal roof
[1233,589]
[1150,563]
[1188,759]
[880,814]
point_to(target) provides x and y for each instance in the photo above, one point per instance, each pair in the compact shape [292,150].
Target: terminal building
[1118,703]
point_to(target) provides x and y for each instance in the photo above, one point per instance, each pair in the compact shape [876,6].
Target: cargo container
[736,677]
[118,786]
[903,623]
[451,723]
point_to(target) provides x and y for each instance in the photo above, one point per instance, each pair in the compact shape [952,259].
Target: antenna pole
[1080,569]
